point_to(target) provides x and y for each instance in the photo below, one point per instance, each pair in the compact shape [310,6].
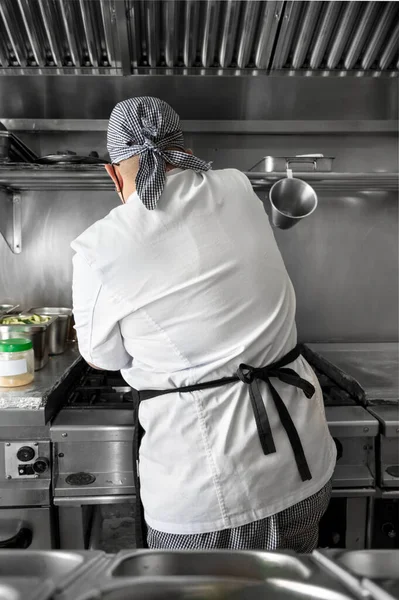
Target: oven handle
[22,539]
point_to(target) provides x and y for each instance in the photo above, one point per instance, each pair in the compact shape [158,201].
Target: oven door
[26,528]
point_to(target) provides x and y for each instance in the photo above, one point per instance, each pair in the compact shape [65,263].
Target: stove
[375,368]
[92,455]
[92,452]
[102,389]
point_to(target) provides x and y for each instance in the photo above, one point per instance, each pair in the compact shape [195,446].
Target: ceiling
[198,37]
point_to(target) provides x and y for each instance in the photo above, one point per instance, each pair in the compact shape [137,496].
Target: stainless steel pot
[37,333]
[60,328]
[292,200]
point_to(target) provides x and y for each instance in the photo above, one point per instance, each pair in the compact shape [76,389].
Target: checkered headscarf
[148,127]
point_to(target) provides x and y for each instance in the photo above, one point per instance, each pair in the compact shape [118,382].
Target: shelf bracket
[11,221]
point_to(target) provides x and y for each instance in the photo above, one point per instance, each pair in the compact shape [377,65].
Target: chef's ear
[189,151]
[115,176]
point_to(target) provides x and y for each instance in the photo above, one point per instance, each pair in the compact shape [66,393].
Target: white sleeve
[96,320]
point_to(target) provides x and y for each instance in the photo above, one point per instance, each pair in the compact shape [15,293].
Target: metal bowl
[60,329]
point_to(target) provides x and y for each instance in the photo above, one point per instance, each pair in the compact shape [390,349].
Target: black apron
[248,375]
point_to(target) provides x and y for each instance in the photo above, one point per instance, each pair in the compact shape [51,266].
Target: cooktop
[108,389]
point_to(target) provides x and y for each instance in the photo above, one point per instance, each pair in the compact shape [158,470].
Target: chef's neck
[126,173]
[129,174]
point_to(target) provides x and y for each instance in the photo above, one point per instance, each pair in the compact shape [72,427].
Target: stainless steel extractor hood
[128,37]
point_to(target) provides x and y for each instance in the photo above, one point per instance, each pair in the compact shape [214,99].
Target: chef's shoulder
[234,178]
[104,236]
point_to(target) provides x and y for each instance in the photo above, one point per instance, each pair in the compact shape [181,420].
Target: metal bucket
[292,200]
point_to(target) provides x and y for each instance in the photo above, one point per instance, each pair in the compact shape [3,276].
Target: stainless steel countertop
[34,396]
[374,365]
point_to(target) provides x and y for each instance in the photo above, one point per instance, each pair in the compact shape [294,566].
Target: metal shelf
[19,177]
[343,182]
[32,177]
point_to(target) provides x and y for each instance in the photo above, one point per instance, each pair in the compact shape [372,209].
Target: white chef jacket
[181,295]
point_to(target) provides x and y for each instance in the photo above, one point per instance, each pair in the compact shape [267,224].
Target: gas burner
[80,478]
[103,389]
[332,394]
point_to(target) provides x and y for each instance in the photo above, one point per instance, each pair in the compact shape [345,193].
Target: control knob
[25,454]
[41,465]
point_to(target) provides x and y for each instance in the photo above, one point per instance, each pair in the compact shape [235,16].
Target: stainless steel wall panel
[13,29]
[236,36]
[390,50]
[108,22]
[361,32]
[343,260]
[210,98]
[67,18]
[324,32]
[231,12]
[249,24]
[270,19]
[31,27]
[4,55]
[130,44]
[151,19]
[171,12]
[306,31]
[191,24]
[291,15]
[86,10]
[346,23]
[210,24]
[52,32]
[375,45]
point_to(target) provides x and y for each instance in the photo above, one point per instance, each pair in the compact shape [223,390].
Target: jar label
[13,367]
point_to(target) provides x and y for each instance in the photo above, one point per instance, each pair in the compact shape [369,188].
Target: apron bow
[249,375]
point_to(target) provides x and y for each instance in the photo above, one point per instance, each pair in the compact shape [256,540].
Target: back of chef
[182,287]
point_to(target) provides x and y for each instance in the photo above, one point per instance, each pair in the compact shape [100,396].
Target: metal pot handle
[301,159]
[22,539]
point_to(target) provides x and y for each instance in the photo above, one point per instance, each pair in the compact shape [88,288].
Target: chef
[182,287]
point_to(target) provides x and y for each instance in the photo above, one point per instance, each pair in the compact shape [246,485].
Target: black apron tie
[250,376]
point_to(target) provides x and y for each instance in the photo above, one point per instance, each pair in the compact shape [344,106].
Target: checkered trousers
[296,528]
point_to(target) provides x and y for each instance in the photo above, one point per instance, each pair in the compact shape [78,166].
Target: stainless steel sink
[255,566]
[203,589]
[286,590]
[41,564]
[373,564]
[39,574]
[169,589]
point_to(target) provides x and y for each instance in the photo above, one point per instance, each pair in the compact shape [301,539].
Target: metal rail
[24,177]
[217,126]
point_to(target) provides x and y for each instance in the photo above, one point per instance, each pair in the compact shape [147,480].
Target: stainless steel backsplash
[343,260]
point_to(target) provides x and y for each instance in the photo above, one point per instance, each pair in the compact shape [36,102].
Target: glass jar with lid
[17,362]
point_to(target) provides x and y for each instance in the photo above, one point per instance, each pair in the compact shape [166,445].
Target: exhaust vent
[198,37]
